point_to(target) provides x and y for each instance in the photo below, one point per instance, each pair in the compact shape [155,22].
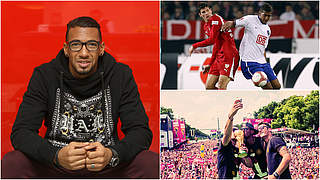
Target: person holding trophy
[256,152]
[228,163]
[239,135]
[240,146]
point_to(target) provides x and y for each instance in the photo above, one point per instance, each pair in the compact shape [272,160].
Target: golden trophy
[240,143]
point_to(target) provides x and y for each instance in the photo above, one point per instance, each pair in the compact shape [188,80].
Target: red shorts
[225,66]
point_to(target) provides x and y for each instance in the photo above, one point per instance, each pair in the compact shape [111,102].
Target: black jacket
[90,110]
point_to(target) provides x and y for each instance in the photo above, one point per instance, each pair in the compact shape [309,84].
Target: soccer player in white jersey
[253,45]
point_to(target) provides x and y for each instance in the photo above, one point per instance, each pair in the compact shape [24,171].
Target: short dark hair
[265,123]
[83,21]
[250,126]
[202,6]
[266,7]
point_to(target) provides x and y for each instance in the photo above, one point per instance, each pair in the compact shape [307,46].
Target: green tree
[296,112]
[168,111]
[290,114]
[311,111]
[188,132]
[266,111]
[198,133]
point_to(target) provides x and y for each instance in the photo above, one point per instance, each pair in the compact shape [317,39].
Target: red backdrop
[32,33]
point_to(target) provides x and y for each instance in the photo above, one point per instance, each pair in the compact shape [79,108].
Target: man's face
[288,8]
[247,132]
[83,63]
[205,13]
[263,130]
[232,134]
[265,16]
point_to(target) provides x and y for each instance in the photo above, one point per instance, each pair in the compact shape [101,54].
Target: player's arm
[227,132]
[228,25]
[210,41]
[242,22]
[286,158]
[134,120]
[216,25]
[229,125]
[33,108]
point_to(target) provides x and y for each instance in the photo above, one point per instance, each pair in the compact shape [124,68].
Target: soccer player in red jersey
[225,57]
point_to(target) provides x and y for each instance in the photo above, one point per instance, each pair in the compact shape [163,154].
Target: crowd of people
[185,162]
[304,163]
[301,140]
[300,10]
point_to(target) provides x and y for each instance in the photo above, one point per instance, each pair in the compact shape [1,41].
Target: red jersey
[223,41]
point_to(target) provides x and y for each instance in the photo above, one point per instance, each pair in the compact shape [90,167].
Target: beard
[83,71]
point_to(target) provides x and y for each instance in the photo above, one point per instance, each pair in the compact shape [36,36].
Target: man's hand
[73,156]
[244,148]
[235,109]
[228,128]
[97,156]
[271,177]
[226,26]
[205,69]
[191,49]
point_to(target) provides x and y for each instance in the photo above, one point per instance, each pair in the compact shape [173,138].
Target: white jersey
[255,39]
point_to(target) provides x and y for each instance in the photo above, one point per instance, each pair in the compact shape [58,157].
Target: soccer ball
[259,78]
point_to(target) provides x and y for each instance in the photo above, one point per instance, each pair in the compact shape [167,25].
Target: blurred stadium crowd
[185,162]
[229,10]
